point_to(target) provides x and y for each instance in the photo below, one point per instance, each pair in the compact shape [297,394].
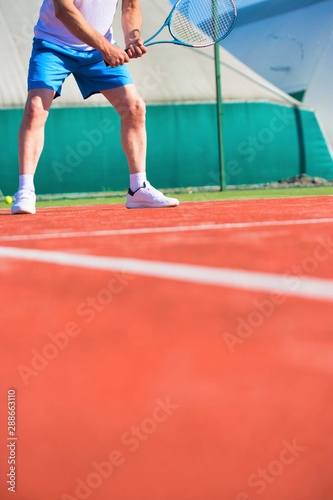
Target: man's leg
[31,135]
[131,108]
[31,142]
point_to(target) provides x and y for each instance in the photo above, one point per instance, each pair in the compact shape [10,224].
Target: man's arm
[75,22]
[131,23]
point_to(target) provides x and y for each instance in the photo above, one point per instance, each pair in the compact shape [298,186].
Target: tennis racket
[198,23]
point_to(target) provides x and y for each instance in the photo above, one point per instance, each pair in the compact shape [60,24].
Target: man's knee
[134,110]
[35,113]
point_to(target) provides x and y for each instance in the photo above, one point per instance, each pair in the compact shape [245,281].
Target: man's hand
[115,56]
[135,46]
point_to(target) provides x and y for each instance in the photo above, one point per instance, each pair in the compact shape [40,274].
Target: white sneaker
[149,197]
[25,202]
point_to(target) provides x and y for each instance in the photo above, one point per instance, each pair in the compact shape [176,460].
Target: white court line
[310,288]
[173,229]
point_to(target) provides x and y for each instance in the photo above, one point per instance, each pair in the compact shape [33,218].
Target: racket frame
[176,40]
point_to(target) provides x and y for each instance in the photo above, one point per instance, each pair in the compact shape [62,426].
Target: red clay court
[177,354]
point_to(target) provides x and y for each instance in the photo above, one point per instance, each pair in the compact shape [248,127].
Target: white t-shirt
[99,13]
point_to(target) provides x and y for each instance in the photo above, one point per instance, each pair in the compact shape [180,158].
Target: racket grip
[107,64]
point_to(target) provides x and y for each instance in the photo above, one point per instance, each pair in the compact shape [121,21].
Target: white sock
[26,181]
[137,180]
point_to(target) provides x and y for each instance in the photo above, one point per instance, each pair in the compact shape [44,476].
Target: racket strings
[202,22]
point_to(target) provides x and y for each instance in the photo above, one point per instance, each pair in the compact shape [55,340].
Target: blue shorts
[51,64]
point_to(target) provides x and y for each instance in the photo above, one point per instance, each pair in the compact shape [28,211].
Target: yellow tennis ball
[8,200]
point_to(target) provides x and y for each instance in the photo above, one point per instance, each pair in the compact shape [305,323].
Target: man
[75,37]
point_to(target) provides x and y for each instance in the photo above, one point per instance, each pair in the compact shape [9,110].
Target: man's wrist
[135,33]
[132,35]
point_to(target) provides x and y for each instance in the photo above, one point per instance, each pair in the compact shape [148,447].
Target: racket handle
[107,64]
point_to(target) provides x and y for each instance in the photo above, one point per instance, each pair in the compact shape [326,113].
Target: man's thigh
[48,67]
[96,77]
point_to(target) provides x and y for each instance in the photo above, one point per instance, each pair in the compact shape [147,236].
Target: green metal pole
[219,116]
[218,95]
